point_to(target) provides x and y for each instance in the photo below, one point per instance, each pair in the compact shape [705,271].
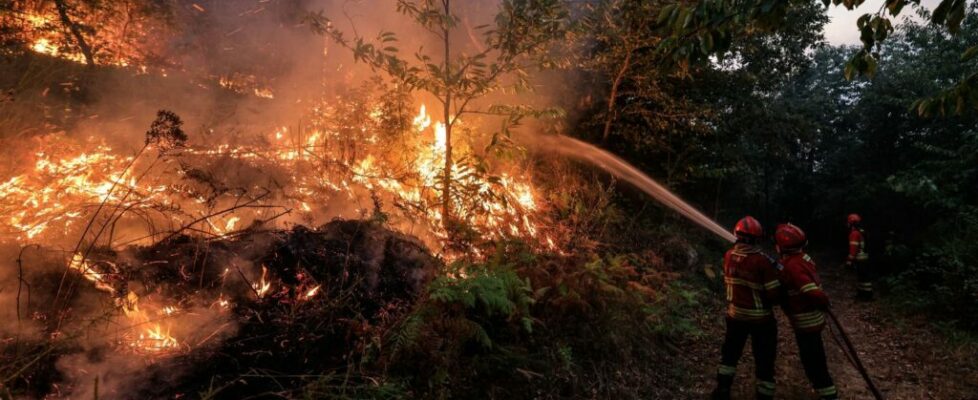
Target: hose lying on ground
[853,357]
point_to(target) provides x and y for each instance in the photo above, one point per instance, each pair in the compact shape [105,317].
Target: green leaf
[665,14]
[956,16]
[850,70]
[941,12]
[895,6]
[871,65]
[709,272]
[706,43]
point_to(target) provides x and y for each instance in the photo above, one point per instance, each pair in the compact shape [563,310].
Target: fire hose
[852,355]
[847,347]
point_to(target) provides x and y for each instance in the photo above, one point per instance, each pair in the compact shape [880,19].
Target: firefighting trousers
[812,353]
[764,344]
[864,277]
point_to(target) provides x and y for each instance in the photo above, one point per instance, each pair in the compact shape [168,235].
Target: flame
[264,93]
[312,292]
[422,121]
[231,222]
[155,340]
[78,263]
[263,286]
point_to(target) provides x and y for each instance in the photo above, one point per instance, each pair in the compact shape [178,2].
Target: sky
[842,27]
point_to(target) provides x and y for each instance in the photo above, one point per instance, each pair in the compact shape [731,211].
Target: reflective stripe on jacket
[805,298]
[751,283]
[857,245]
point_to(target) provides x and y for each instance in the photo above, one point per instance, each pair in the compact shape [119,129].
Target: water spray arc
[616,166]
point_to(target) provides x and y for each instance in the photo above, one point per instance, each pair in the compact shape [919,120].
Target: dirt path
[905,356]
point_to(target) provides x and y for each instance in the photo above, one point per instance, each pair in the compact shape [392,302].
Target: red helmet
[789,237]
[854,219]
[748,226]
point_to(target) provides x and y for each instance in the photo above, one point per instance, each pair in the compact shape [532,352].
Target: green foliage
[672,315]
[486,292]
[694,31]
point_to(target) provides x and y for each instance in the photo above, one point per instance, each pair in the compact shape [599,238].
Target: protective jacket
[751,282]
[805,300]
[857,245]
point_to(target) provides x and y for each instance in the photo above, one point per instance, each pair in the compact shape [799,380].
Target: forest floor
[907,356]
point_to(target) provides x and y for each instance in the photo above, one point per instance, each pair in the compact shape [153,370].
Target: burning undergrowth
[347,163]
[178,263]
[189,309]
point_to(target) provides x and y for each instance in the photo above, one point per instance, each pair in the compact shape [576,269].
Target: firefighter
[805,304]
[859,259]
[752,287]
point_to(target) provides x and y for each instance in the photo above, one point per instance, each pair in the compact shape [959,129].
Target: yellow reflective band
[758,312]
[810,314]
[809,319]
[814,320]
[827,391]
[809,324]
[807,258]
[809,287]
[741,282]
[856,243]
[726,370]
[765,388]
[772,284]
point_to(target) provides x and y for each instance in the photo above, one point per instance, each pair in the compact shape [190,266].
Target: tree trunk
[614,94]
[75,32]
[447,183]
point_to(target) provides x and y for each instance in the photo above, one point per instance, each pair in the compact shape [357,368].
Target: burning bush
[295,302]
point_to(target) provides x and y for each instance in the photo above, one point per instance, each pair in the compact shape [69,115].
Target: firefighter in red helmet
[859,258]
[805,305]
[752,288]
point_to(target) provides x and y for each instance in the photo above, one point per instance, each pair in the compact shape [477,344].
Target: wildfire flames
[67,184]
[68,180]
[146,196]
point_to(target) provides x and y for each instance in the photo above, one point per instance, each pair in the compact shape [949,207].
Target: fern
[406,334]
